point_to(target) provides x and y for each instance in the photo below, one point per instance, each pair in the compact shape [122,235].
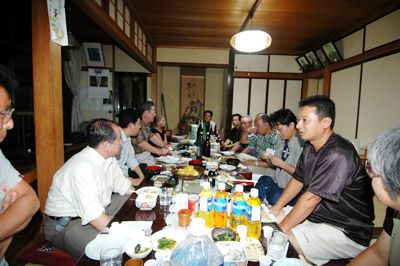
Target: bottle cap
[206,185]
[221,186]
[239,188]
[254,192]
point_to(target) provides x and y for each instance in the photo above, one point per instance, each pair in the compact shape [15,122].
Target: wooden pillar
[326,90]
[304,88]
[47,99]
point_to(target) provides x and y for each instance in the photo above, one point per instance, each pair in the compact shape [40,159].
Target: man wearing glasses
[384,170]
[333,217]
[18,201]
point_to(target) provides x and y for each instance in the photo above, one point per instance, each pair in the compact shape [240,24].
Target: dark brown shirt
[335,173]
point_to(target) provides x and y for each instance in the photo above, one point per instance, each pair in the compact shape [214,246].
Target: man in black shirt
[235,132]
[333,217]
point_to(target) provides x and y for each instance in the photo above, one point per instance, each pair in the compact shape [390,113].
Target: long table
[129,212]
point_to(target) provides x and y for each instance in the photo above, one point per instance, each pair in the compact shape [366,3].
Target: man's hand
[163,151]
[10,198]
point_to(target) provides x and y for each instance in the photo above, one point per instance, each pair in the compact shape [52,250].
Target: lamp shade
[250,41]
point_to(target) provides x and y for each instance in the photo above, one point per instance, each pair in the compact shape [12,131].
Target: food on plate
[253,249]
[223,177]
[139,249]
[225,237]
[166,243]
[188,170]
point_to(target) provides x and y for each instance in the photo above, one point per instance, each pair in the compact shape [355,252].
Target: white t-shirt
[83,186]
[8,176]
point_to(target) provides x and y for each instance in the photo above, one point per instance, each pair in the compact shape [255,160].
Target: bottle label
[220,204]
[254,213]
[239,207]
[205,204]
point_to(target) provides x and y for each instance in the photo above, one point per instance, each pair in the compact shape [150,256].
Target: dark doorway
[130,90]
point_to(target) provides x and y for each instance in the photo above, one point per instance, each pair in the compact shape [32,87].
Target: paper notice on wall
[94,104]
[98,92]
[58,26]
[99,78]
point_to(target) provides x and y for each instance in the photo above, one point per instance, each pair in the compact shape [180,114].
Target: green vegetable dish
[225,237]
[166,243]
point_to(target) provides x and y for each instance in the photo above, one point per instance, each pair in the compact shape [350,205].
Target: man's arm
[146,146]
[101,222]
[137,181]
[292,189]
[278,162]
[156,139]
[303,208]
[375,255]
[18,214]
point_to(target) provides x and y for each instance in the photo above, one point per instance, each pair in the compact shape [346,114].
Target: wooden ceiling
[295,25]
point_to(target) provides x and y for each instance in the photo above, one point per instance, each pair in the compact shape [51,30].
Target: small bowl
[153,170]
[146,201]
[196,162]
[233,161]
[145,243]
[218,232]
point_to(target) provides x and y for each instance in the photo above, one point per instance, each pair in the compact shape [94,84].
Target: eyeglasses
[369,170]
[7,115]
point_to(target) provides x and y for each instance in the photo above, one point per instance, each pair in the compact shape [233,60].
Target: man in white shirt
[18,201]
[129,121]
[81,202]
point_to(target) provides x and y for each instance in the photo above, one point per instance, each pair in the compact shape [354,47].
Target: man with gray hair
[383,167]
[81,202]
[246,123]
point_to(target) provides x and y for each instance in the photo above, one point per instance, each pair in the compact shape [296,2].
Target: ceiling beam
[250,14]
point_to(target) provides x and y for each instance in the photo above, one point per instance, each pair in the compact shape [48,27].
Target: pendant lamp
[251,41]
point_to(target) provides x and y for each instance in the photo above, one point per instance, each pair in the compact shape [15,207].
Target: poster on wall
[100,90]
[192,101]
[57,21]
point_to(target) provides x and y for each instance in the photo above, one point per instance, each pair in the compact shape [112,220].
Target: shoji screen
[240,96]
[258,96]
[293,95]
[380,97]
[275,95]
[344,92]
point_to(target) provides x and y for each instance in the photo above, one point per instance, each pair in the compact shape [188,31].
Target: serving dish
[139,247]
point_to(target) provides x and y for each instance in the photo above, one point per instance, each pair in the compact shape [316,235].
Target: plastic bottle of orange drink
[253,219]
[238,208]
[205,205]
[220,206]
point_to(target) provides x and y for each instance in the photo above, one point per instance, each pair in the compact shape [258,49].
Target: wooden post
[326,90]
[47,99]
[304,88]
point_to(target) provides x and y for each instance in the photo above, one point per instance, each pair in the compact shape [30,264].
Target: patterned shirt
[260,143]
[145,134]
[280,176]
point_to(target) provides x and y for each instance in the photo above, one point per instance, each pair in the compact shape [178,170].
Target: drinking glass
[165,197]
[277,246]
[111,255]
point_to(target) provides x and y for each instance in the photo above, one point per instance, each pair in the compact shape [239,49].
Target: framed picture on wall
[313,59]
[93,54]
[321,56]
[303,63]
[331,52]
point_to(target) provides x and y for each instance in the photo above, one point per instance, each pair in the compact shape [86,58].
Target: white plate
[155,190]
[175,234]
[227,167]
[253,249]
[245,157]
[92,249]
[228,153]
[289,262]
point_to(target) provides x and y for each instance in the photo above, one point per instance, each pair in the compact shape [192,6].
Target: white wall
[382,31]
[192,55]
